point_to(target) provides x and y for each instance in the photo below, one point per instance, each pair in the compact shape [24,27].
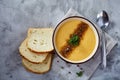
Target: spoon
[103,23]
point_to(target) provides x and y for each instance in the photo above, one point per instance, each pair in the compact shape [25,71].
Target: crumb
[78,65]
[69,72]
[81,68]
[11,76]
[62,67]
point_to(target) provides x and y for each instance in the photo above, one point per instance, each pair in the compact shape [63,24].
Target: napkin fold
[68,71]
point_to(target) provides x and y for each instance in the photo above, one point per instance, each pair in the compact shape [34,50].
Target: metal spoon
[103,22]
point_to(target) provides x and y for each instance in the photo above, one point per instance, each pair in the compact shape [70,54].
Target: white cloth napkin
[67,71]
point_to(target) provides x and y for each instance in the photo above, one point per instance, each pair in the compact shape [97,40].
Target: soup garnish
[74,39]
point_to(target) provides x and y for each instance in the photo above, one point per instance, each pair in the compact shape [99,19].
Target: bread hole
[41,43]
[25,49]
[34,56]
[34,43]
[35,40]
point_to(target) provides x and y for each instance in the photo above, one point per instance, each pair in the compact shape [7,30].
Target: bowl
[75,39]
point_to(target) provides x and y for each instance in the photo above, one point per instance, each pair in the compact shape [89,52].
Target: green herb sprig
[74,40]
[79,74]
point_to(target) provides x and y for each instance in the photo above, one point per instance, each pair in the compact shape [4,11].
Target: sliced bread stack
[36,50]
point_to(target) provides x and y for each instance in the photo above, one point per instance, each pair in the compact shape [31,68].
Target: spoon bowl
[103,20]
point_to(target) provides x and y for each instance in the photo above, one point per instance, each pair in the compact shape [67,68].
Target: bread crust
[38,72]
[30,30]
[42,52]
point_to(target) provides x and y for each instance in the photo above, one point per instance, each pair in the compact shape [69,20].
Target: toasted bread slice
[31,56]
[41,40]
[38,68]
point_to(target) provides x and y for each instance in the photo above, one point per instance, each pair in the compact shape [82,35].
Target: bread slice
[31,56]
[38,68]
[41,40]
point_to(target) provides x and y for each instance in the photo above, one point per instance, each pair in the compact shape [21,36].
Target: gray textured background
[16,16]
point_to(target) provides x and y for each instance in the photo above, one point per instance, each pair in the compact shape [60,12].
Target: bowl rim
[93,25]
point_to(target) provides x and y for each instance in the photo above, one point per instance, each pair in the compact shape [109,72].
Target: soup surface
[86,45]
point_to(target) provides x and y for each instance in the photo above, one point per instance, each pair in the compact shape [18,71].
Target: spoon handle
[103,50]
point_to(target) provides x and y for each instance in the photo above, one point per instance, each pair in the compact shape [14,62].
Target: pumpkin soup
[83,44]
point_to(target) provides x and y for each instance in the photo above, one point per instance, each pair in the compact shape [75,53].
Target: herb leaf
[79,73]
[74,40]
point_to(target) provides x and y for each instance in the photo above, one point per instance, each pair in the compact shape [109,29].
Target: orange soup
[86,45]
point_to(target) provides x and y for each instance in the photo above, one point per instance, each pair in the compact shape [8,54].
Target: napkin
[67,71]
